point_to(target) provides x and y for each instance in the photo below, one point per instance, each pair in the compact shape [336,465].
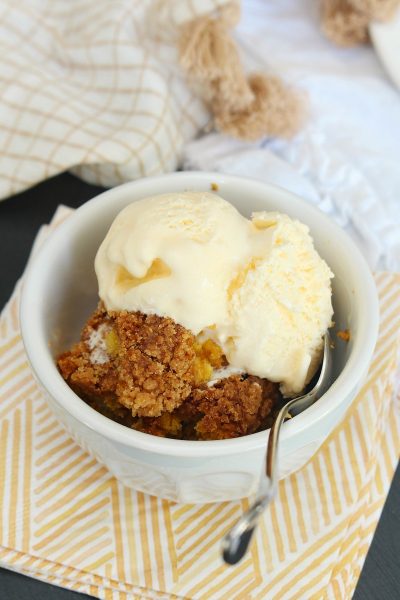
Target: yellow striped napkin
[64,519]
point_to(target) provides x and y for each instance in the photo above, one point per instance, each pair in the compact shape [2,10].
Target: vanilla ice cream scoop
[173,255]
[280,306]
[257,287]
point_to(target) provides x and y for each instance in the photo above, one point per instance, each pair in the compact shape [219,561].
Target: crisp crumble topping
[149,373]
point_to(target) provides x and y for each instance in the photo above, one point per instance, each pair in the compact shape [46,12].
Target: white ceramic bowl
[60,291]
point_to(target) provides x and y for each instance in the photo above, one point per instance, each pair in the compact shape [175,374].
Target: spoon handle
[273,439]
[238,538]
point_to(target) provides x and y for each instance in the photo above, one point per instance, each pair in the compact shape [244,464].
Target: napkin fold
[65,520]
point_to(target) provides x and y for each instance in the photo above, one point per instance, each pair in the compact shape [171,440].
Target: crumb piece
[155,363]
[214,187]
[233,407]
[167,425]
[159,338]
[84,373]
[344,334]
[144,362]
[89,380]
[146,386]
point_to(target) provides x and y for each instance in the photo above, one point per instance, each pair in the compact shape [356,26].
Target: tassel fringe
[244,107]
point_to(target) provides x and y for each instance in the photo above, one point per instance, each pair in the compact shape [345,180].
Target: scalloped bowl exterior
[60,291]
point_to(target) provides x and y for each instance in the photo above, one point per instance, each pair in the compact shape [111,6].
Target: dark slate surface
[20,219]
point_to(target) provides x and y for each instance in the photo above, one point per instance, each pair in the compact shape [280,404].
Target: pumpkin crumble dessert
[149,373]
[206,319]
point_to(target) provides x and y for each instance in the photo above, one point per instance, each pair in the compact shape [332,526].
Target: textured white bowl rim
[46,372]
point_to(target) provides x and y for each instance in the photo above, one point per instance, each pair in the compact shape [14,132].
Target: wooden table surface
[20,218]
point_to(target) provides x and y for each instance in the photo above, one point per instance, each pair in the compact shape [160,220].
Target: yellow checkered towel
[114,89]
[64,519]
[94,85]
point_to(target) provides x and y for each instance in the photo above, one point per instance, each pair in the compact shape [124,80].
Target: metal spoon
[237,540]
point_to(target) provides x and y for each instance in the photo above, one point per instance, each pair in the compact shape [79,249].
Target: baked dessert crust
[149,373]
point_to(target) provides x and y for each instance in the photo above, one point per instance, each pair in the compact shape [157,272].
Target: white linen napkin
[346,158]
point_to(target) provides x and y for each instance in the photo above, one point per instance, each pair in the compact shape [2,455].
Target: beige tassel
[247,108]
[343,24]
[382,10]
[274,110]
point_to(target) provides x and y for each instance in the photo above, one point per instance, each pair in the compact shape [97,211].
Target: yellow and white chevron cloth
[64,519]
